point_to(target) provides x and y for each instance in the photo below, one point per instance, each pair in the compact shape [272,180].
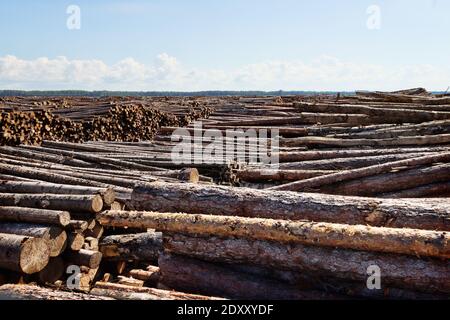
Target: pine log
[192,275]
[107,194]
[361,172]
[88,258]
[33,215]
[23,254]
[136,247]
[75,203]
[219,200]
[56,236]
[430,275]
[30,292]
[405,241]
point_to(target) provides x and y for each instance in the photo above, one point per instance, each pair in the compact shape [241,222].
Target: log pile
[359,197]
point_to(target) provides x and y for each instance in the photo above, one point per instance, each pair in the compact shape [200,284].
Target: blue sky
[228,44]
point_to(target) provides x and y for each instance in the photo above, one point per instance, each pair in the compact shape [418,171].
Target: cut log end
[34,255]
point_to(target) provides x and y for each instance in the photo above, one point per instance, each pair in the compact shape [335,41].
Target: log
[88,258]
[361,172]
[136,247]
[107,194]
[192,275]
[31,292]
[33,215]
[75,203]
[53,272]
[55,236]
[433,189]
[151,276]
[404,241]
[157,293]
[23,254]
[130,281]
[78,225]
[390,182]
[227,201]
[75,241]
[430,275]
[256,175]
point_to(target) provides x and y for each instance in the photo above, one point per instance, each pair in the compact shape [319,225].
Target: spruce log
[430,275]
[361,172]
[23,254]
[75,203]
[56,236]
[137,247]
[405,241]
[33,215]
[88,258]
[219,200]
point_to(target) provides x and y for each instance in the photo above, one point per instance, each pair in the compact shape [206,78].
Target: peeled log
[137,247]
[76,203]
[430,275]
[33,215]
[56,237]
[23,254]
[192,275]
[107,194]
[220,200]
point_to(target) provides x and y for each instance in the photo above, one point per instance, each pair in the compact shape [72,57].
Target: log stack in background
[363,182]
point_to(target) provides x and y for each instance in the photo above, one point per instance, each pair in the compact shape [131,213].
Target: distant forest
[75,93]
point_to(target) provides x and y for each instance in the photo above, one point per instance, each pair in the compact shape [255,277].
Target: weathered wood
[75,241]
[433,189]
[33,215]
[400,271]
[23,254]
[137,247]
[56,236]
[151,276]
[219,200]
[76,203]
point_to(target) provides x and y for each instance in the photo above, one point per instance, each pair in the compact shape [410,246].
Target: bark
[30,292]
[88,258]
[192,275]
[107,194]
[158,294]
[433,189]
[256,175]
[32,215]
[151,276]
[361,172]
[219,200]
[137,247]
[390,182]
[430,275]
[75,203]
[405,241]
[78,226]
[56,236]
[23,254]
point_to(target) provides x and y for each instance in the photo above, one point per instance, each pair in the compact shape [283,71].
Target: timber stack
[345,196]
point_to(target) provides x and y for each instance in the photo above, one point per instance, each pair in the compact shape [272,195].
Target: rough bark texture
[192,275]
[217,200]
[23,254]
[400,271]
[76,203]
[30,292]
[405,241]
[88,258]
[138,247]
[33,215]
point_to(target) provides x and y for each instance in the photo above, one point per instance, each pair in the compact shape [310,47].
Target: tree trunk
[23,254]
[30,292]
[219,200]
[88,258]
[32,215]
[430,275]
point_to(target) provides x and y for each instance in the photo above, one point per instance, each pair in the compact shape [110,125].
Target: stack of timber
[354,202]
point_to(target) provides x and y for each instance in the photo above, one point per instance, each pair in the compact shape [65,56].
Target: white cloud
[167,73]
